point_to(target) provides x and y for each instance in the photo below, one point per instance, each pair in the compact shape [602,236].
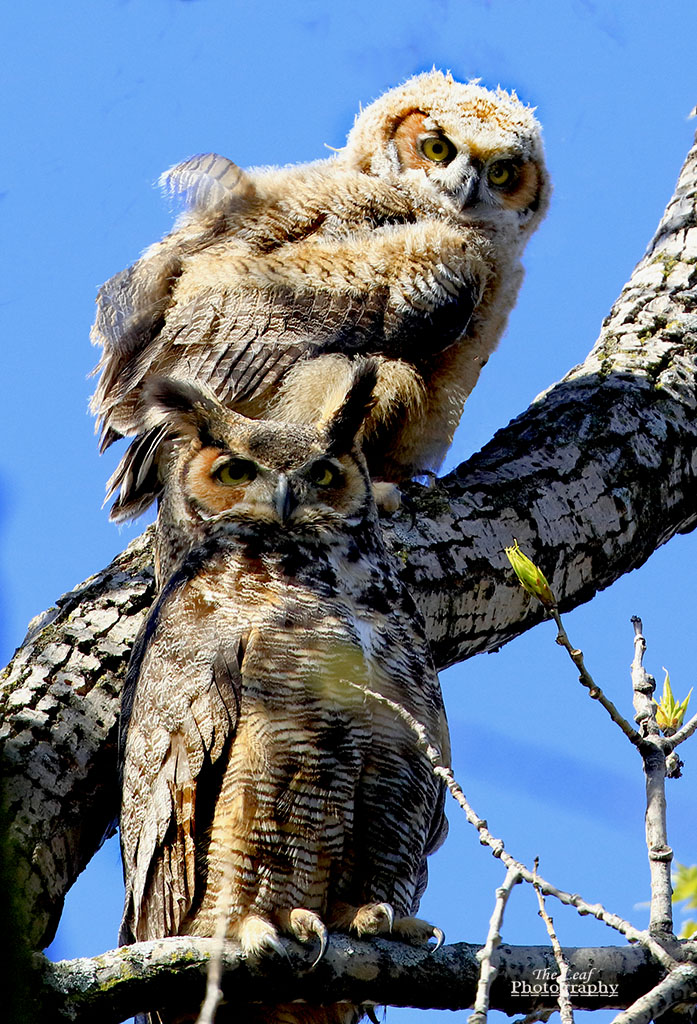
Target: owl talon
[373,919]
[418,933]
[410,506]
[389,912]
[257,936]
[323,939]
[306,925]
[277,946]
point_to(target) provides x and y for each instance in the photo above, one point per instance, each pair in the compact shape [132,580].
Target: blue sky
[99,97]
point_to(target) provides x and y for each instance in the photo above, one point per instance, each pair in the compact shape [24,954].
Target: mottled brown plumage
[262,786]
[405,246]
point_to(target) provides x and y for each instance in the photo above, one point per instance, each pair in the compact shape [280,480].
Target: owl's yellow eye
[325,474]
[437,148]
[503,174]
[233,472]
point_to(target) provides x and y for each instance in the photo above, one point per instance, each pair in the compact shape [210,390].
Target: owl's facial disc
[474,175]
[318,490]
[227,486]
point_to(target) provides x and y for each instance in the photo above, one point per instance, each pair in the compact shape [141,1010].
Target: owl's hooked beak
[283,498]
[468,193]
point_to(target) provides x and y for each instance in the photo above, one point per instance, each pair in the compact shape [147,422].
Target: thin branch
[587,680]
[497,845]
[565,1009]
[487,972]
[214,975]
[653,749]
[654,758]
[643,686]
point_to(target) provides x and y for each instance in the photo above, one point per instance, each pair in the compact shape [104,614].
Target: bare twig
[214,974]
[487,972]
[654,758]
[497,846]
[654,749]
[643,685]
[565,1009]
[587,680]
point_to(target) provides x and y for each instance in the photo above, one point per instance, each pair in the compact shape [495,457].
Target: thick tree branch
[59,710]
[112,987]
[596,474]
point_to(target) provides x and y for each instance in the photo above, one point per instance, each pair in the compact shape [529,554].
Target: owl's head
[480,149]
[230,476]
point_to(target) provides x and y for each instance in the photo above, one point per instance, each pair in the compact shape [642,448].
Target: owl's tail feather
[207,181]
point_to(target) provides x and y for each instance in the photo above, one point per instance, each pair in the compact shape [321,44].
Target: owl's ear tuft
[344,425]
[186,409]
[172,410]
[136,480]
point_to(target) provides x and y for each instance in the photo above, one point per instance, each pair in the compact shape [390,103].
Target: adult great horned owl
[256,766]
[405,246]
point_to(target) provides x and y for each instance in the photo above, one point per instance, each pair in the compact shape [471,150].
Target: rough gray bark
[595,475]
[112,987]
[59,710]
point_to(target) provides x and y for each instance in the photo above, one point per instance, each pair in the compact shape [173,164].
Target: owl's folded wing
[178,720]
[408,296]
[237,319]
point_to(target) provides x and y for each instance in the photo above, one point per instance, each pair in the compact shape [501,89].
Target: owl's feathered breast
[255,681]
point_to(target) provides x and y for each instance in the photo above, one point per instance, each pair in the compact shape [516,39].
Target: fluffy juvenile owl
[404,246]
[261,784]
